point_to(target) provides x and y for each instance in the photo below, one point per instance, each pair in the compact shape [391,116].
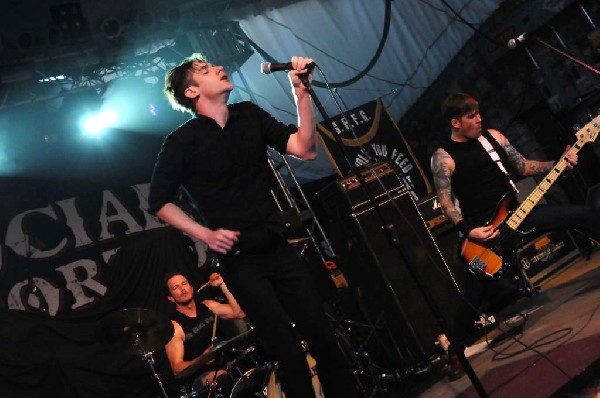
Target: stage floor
[558,353]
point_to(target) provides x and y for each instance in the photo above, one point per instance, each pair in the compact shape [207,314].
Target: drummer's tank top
[198,330]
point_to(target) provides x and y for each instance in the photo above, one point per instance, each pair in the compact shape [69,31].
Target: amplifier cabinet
[431,210]
[546,255]
[380,272]
[342,197]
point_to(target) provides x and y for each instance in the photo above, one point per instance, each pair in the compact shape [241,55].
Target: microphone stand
[395,241]
[567,56]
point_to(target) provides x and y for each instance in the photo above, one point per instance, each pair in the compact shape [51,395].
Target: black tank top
[198,330]
[477,182]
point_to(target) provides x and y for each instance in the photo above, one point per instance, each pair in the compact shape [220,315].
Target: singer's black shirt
[225,170]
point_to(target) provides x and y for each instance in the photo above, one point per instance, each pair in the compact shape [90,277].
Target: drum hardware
[261,381]
[244,361]
[213,390]
[295,241]
[136,331]
[201,361]
[371,379]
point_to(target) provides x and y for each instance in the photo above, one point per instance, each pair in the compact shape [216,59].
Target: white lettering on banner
[17,294]
[379,149]
[345,123]
[16,238]
[401,161]
[80,273]
[121,214]
[75,285]
[361,160]
[143,191]
[357,120]
[75,222]
[336,128]
[107,255]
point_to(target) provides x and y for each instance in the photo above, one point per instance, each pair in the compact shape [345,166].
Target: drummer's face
[180,288]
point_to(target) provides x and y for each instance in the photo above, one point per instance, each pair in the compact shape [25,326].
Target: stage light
[96,124]
[111,27]
[52,79]
[144,19]
[54,35]
[25,40]
[69,19]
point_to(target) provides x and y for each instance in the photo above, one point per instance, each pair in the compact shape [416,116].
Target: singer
[220,158]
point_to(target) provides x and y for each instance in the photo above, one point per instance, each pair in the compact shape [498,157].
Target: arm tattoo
[524,166]
[516,160]
[535,167]
[442,176]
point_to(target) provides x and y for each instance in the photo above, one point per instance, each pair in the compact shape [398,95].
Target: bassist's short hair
[457,105]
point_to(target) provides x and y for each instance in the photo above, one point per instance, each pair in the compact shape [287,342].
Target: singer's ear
[191,92]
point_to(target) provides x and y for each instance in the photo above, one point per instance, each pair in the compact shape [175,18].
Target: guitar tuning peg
[576,127]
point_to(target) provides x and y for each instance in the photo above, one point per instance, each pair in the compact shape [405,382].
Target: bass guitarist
[464,169]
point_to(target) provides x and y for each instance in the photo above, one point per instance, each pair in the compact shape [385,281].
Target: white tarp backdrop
[407,46]
[343,37]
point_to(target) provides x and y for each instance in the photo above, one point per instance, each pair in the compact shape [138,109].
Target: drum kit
[139,331]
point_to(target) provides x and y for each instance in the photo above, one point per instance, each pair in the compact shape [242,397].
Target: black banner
[377,139]
[64,246]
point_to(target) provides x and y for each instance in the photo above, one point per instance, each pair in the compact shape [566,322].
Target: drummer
[194,325]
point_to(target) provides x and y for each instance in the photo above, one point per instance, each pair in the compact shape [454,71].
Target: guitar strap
[496,158]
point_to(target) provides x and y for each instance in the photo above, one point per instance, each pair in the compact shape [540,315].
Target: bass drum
[258,382]
[263,382]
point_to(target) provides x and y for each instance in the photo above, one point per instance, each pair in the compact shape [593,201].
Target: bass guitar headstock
[589,132]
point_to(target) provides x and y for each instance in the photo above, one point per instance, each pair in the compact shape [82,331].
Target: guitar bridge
[477,265]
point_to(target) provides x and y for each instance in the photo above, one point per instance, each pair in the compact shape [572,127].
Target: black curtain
[44,356]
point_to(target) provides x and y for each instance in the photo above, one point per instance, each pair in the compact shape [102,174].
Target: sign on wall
[369,135]
[53,256]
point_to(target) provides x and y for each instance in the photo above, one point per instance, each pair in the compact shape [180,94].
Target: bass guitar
[492,258]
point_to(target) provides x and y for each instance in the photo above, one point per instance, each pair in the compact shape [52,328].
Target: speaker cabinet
[380,272]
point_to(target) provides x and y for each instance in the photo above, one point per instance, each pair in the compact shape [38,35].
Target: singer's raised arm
[303,143]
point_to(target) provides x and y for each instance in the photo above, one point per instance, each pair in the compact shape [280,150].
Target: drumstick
[202,287]
[214,331]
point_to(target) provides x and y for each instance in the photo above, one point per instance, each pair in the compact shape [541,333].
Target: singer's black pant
[274,289]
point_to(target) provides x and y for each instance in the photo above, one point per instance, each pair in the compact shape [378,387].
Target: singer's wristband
[220,284]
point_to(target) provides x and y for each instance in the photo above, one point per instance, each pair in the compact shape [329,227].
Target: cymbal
[202,360]
[135,330]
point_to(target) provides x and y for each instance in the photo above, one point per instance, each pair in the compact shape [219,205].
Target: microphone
[513,43]
[270,67]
